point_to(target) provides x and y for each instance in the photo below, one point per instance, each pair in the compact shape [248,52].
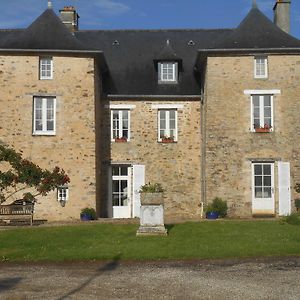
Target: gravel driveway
[230,279]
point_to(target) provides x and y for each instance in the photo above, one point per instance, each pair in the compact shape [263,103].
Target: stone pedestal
[152,215]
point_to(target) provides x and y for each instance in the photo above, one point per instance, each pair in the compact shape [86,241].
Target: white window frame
[48,62]
[61,190]
[260,63]
[120,178]
[44,130]
[170,65]
[167,110]
[261,110]
[120,114]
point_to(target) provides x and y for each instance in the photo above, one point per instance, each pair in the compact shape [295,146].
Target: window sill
[167,142]
[43,133]
[120,140]
[167,82]
[261,130]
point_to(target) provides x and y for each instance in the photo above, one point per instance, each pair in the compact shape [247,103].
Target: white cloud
[111,7]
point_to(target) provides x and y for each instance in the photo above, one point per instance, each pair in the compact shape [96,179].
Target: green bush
[297,203]
[293,219]
[151,188]
[89,211]
[219,206]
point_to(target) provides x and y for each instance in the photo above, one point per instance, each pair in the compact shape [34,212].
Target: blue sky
[145,14]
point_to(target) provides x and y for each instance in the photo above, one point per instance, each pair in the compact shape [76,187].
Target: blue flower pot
[212,215]
[85,217]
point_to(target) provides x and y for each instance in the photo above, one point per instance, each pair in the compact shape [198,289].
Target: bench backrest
[16,209]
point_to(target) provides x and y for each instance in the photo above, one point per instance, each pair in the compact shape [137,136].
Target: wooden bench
[17,212]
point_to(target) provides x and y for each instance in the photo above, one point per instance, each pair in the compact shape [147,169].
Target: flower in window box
[167,139]
[122,139]
[266,128]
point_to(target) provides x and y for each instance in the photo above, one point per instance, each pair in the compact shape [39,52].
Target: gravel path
[230,279]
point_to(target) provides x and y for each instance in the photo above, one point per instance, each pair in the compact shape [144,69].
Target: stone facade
[177,166]
[230,146]
[73,146]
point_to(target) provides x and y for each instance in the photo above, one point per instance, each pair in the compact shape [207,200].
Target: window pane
[50,125]
[115,186]
[162,114]
[124,171]
[267,170]
[256,112]
[115,200]
[267,100]
[267,193]
[267,112]
[258,192]
[258,180]
[256,101]
[267,181]
[115,171]
[257,169]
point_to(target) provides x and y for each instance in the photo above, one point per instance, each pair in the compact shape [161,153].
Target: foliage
[297,187]
[24,174]
[192,240]
[292,219]
[297,203]
[151,188]
[219,206]
[89,211]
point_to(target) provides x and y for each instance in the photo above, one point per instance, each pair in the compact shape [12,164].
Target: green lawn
[203,240]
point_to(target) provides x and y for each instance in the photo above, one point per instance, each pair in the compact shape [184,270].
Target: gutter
[135,96]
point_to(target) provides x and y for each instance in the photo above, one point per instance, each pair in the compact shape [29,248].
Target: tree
[21,175]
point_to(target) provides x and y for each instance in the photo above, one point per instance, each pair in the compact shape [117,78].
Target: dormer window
[46,68]
[167,72]
[260,67]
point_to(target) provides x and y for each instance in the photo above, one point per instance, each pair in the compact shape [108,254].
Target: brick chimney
[282,14]
[69,17]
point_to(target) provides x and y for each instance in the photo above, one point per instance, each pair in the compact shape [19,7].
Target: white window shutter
[138,181]
[284,188]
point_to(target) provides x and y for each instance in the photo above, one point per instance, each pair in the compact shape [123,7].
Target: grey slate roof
[47,32]
[131,61]
[131,55]
[256,31]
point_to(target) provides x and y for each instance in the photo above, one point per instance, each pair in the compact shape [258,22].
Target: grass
[203,240]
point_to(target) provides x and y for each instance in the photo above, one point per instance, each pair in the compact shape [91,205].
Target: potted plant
[167,139]
[266,128]
[151,194]
[88,214]
[122,139]
[218,208]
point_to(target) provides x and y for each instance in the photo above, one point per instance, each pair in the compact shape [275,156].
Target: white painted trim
[121,106]
[167,106]
[265,75]
[262,92]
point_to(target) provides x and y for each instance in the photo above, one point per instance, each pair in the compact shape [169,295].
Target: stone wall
[73,146]
[177,166]
[230,145]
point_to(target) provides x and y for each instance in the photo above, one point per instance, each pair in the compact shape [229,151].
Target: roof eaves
[249,50]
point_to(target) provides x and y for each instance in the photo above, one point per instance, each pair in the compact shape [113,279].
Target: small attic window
[116,43]
[191,43]
[167,72]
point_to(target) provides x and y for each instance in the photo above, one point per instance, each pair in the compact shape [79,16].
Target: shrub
[151,188]
[293,219]
[297,203]
[219,206]
[89,211]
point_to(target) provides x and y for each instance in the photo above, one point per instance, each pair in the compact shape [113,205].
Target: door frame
[261,210]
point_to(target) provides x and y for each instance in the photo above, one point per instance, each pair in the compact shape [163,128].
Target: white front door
[121,191]
[263,201]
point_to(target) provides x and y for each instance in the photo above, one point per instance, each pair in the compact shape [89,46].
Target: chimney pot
[69,17]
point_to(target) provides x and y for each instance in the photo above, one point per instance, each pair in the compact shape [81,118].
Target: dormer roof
[47,32]
[167,53]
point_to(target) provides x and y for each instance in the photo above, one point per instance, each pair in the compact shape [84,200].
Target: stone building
[207,113]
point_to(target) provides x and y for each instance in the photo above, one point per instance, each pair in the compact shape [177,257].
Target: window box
[167,140]
[121,140]
[264,129]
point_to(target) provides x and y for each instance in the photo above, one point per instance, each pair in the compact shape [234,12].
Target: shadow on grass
[169,227]
[110,266]
[8,283]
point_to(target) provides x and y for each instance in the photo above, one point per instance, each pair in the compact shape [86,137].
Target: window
[120,125]
[44,110]
[167,72]
[120,184]
[262,113]
[62,193]
[167,125]
[46,68]
[260,67]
